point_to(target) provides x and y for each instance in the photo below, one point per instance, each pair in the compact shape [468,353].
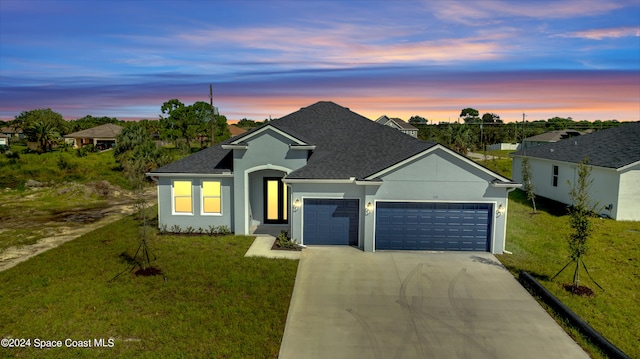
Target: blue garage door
[331,221]
[433,226]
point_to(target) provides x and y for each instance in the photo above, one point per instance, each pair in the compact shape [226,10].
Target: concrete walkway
[261,247]
[350,304]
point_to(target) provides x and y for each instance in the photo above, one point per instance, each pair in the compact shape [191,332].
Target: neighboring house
[11,132]
[103,136]
[548,137]
[504,146]
[4,140]
[332,176]
[235,130]
[614,155]
[398,124]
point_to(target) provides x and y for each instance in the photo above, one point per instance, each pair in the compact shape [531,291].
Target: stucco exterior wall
[618,190]
[628,208]
[542,177]
[268,150]
[195,220]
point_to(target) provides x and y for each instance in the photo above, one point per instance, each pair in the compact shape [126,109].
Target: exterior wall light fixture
[500,210]
[368,208]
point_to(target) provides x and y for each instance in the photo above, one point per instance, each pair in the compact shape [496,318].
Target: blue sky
[124,58]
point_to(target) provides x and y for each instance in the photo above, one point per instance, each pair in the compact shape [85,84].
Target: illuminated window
[211,198]
[182,202]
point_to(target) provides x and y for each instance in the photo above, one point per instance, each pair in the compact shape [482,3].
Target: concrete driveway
[390,304]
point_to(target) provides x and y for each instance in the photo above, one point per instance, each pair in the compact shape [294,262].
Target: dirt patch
[69,225]
[579,290]
[148,272]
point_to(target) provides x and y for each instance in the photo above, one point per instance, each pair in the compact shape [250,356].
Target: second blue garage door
[433,226]
[330,221]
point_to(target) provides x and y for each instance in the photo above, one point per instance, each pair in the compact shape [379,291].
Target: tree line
[180,125]
[473,132]
[187,125]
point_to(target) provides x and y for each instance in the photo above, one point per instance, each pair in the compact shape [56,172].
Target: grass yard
[539,246]
[214,302]
[58,167]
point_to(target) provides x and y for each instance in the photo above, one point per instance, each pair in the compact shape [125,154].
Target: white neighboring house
[399,125]
[614,155]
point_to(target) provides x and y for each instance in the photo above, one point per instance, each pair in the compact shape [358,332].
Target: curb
[532,285]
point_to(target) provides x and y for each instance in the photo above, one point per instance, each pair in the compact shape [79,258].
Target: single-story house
[398,124]
[614,156]
[4,140]
[103,136]
[331,176]
[11,132]
[549,137]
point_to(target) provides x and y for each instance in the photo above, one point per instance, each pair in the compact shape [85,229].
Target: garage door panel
[331,221]
[433,226]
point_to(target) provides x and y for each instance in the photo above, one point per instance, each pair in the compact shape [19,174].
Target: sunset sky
[124,58]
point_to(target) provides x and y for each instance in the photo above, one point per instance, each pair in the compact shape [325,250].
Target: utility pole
[213,119]
[523,146]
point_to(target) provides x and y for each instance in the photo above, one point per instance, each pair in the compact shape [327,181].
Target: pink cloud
[348,45]
[481,11]
[600,34]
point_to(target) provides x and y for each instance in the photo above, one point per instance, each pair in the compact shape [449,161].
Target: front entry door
[275,201]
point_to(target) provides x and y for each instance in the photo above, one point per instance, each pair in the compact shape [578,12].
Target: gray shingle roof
[347,145]
[554,136]
[613,148]
[212,160]
[108,130]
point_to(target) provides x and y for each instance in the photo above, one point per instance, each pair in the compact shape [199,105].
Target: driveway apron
[391,304]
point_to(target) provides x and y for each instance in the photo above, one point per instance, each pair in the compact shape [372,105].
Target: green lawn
[539,246]
[213,303]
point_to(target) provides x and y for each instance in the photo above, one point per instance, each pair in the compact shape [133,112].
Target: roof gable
[439,147]
[265,128]
[613,148]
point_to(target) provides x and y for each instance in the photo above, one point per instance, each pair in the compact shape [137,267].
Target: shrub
[284,241]
[91,148]
[81,152]
[12,155]
[64,164]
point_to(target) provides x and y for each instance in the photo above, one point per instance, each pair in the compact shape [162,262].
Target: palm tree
[44,133]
